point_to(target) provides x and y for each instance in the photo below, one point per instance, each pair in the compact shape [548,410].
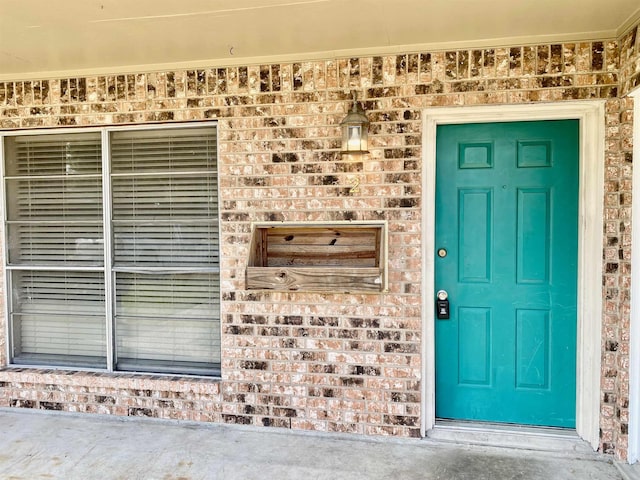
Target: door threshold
[559,440]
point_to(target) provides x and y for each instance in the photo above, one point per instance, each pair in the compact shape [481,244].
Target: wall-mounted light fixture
[355,129]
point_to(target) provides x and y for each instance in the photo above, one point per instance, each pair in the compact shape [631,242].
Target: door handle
[442,305]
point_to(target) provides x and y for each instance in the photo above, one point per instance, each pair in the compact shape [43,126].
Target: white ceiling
[45,38]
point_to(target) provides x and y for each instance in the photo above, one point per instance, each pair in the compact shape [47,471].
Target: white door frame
[590,237]
[634,334]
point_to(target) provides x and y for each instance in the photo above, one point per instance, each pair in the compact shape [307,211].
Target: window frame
[107,269]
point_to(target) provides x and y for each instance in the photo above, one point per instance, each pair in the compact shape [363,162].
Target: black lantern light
[355,130]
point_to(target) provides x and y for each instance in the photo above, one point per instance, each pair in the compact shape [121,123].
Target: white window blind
[54,199]
[54,227]
[166,249]
[58,318]
[164,259]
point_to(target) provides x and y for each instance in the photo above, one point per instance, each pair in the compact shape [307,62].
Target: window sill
[103,374]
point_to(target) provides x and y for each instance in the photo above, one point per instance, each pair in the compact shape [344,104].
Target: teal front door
[506,254]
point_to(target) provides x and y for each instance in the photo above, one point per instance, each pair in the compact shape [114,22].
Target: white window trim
[591,117]
[108,266]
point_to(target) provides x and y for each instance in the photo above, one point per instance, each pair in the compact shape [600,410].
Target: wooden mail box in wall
[327,257]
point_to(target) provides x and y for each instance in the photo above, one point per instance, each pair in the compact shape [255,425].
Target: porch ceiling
[45,38]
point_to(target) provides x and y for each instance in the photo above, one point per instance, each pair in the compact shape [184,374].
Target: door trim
[590,213]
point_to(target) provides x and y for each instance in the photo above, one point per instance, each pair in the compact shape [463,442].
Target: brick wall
[617,277]
[630,60]
[329,362]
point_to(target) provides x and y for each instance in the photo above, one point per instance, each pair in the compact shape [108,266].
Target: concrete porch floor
[50,445]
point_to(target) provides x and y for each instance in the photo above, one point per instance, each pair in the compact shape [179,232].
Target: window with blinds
[149,300]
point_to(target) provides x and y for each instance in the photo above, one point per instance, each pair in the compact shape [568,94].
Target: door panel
[532,348]
[532,235]
[474,346]
[475,214]
[507,216]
